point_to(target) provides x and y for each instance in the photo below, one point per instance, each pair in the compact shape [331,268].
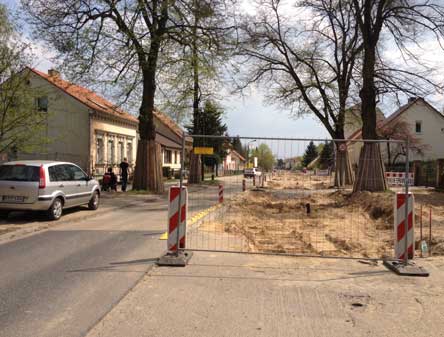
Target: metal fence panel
[291,208]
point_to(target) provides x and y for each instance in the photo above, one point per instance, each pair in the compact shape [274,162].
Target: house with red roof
[85,128]
[233,162]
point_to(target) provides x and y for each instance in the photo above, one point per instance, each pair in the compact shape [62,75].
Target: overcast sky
[249,116]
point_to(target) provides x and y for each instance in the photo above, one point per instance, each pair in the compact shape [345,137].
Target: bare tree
[405,23]
[308,68]
[121,40]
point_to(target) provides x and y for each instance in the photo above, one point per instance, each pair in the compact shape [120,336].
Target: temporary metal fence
[290,205]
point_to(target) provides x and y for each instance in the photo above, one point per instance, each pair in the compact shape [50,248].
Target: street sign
[203,150]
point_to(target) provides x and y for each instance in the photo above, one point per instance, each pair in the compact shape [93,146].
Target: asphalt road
[60,282]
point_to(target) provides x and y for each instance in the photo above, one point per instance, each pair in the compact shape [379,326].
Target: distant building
[90,131]
[233,161]
[426,124]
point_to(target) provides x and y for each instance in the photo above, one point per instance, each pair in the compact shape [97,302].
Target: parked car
[252,172]
[49,186]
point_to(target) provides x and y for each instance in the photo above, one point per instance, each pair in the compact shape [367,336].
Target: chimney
[54,73]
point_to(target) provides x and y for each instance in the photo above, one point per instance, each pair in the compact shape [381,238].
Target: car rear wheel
[95,201]
[56,209]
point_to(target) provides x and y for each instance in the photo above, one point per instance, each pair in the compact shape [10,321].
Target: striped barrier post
[173,218]
[244,185]
[221,193]
[399,222]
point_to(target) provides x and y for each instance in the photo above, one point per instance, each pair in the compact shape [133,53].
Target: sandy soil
[275,219]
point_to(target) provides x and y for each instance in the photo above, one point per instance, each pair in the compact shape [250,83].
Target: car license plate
[13,198]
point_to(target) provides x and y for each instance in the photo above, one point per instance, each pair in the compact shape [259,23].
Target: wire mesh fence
[280,196]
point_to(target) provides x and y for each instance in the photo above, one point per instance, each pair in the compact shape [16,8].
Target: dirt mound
[379,206]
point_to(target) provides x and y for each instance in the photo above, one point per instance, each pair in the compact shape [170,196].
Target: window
[66,172]
[110,151]
[418,126]
[42,103]
[99,151]
[121,151]
[177,157]
[19,173]
[129,152]
[58,173]
[75,173]
[167,157]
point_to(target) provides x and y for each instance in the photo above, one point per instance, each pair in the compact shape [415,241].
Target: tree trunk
[371,173]
[344,174]
[202,169]
[195,177]
[148,171]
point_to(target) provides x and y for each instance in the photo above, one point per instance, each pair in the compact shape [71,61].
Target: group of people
[109,181]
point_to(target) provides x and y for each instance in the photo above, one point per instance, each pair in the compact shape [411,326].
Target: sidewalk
[22,224]
[250,295]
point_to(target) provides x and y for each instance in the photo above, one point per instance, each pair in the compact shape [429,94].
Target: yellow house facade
[85,128]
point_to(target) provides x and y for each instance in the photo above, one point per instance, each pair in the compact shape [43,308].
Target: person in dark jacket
[124,168]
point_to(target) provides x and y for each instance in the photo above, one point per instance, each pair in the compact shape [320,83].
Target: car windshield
[19,173]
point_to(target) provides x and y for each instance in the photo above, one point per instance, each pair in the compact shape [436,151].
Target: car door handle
[79,185]
[61,185]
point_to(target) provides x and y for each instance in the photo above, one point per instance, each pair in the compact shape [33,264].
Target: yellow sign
[250,165]
[203,150]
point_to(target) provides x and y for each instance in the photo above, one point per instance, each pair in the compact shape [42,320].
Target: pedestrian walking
[124,167]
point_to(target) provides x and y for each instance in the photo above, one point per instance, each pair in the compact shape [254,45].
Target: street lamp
[248,150]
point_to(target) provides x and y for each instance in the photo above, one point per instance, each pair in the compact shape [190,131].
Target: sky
[248,115]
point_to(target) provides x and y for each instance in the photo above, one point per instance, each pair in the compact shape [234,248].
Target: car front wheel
[56,209]
[94,202]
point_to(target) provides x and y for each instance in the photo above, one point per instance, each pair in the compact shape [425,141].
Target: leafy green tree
[208,121]
[310,154]
[265,158]
[327,156]
[22,126]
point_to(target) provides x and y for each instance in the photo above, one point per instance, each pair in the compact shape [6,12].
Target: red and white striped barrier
[221,193]
[400,235]
[173,217]
[398,178]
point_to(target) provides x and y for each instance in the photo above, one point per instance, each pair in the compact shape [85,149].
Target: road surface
[60,282]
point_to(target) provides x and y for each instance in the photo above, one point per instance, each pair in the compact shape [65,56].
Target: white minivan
[51,186]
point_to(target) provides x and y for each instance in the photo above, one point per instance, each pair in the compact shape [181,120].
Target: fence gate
[290,205]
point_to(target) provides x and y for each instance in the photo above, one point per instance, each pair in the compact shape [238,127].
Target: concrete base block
[411,269]
[173,260]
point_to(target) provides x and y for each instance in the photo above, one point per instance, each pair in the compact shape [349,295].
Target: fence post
[404,226]
[406,208]
[244,185]
[221,193]
[177,218]
[254,180]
